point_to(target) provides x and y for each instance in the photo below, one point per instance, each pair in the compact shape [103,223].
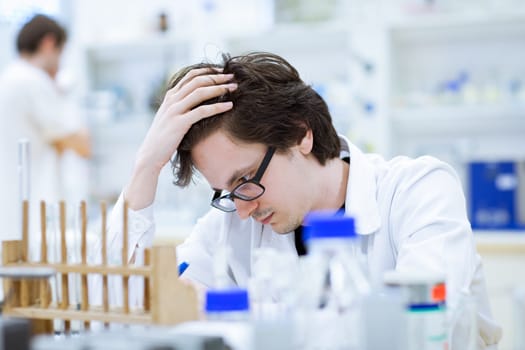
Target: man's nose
[245,208]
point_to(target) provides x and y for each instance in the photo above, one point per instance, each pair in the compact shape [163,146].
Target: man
[264,141]
[32,107]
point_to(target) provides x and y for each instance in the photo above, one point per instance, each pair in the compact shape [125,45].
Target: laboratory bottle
[272,293]
[424,296]
[272,284]
[383,312]
[229,304]
[332,242]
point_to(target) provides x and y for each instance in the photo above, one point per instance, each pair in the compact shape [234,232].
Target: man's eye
[243,179]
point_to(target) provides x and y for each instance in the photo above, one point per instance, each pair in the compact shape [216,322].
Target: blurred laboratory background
[412,77]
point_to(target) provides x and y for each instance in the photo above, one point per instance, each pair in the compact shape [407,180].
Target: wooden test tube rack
[167,301]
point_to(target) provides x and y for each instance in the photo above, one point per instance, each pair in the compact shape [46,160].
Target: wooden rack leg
[147,292]
[84,280]
[125,279]
[24,285]
[105,300]
[11,253]
[45,299]
[63,249]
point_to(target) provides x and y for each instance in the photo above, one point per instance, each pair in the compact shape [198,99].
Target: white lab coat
[410,214]
[31,107]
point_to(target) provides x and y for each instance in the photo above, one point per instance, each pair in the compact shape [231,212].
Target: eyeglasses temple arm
[267,157]
[216,195]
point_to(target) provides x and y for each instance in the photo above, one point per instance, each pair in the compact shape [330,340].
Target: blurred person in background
[33,107]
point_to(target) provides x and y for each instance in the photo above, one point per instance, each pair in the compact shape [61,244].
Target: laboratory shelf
[426,104]
[474,119]
[500,242]
[500,236]
[457,26]
[320,56]
[291,38]
[137,49]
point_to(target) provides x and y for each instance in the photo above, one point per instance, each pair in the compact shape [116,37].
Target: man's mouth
[266,220]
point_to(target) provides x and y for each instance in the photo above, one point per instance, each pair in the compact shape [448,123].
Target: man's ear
[307,142]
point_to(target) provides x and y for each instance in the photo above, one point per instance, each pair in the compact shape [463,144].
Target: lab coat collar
[361,191]
[24,65]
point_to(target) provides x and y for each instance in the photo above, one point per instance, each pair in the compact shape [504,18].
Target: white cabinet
[321,52]
[456,87]
[135,71]
[125,80]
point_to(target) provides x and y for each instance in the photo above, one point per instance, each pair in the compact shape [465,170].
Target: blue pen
[182,267]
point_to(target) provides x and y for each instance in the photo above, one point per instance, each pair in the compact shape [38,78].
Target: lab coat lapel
[361,197]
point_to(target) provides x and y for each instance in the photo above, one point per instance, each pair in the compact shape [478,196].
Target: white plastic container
[425,303]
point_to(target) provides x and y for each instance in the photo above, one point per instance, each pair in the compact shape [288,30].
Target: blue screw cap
[319,225]
[227,300]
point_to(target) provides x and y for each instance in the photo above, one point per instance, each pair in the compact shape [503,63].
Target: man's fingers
[202,94]
[206,111]
[201,81]
[194,73]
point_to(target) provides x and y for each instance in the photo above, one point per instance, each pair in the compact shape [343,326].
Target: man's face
[54,60]
[51,53]
[225,163]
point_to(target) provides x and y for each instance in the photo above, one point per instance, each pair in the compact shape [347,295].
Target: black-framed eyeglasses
[248,190]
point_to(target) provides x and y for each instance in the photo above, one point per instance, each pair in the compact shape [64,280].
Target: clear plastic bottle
[228,316]
[425,304]
[331,242]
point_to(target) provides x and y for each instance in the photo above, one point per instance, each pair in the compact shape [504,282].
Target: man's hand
[79,142]
[174,118]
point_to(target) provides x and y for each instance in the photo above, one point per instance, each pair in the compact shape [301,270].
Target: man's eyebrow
[236,175]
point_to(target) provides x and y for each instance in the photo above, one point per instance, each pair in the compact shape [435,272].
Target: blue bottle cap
[318,225]
[227,300]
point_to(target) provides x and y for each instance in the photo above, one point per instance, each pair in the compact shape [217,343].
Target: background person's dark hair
[32,33]
[271,105]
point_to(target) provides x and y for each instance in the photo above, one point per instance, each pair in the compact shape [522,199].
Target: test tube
[24,169]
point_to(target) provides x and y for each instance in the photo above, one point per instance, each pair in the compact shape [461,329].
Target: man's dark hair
[32,33]
[271,105]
